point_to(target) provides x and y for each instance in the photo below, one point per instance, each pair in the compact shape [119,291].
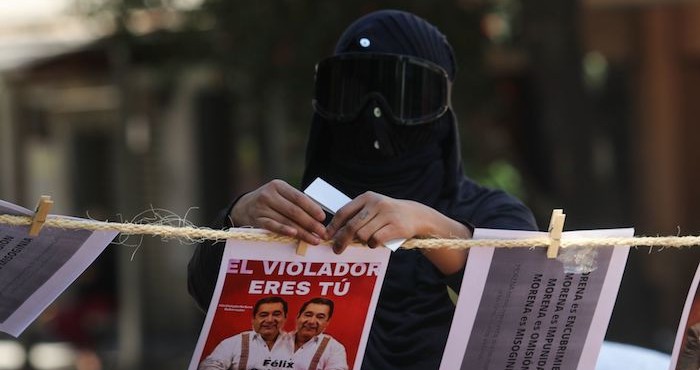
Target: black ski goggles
[415,91]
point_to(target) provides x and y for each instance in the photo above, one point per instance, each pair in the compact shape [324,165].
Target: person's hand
[279,207]
[375,219]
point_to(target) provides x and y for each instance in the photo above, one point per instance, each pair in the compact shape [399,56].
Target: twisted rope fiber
[201,233]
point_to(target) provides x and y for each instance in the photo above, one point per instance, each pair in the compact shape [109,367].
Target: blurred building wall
[64,133]
[656,44]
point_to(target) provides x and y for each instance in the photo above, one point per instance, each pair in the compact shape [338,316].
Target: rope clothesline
[203,233]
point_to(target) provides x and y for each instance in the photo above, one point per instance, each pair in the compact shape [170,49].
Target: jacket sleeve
[203,268]
[499,210]
[492,209]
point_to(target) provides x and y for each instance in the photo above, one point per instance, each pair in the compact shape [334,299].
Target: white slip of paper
[331,199]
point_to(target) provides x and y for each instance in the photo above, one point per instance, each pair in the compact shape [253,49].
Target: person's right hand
[279,207]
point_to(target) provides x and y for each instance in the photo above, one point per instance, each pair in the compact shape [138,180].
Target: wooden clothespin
[302,247]
[42,210]
[556,226]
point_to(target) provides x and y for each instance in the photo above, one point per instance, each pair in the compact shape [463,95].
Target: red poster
[284,306]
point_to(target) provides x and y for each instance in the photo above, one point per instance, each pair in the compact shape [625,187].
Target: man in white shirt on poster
[265,347]
[313,349]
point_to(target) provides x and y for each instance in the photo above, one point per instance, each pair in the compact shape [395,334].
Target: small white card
[331,199]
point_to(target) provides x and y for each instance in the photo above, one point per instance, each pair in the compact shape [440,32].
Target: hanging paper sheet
[251,271]
[34,270]
[520,310]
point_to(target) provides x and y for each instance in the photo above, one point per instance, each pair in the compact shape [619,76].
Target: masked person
[383,132]
[258,349]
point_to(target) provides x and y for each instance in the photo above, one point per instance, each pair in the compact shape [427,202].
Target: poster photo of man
[273,309]
[257,348]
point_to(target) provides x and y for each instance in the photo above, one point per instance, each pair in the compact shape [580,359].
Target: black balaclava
[420,162]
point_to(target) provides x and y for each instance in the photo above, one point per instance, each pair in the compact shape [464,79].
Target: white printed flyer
[520,310]
[35,270]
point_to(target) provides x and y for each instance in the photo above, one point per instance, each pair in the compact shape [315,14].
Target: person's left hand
[375,219]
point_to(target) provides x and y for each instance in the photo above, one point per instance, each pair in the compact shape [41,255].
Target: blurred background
[116,106]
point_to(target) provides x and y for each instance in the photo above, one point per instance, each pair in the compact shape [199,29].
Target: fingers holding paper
[279,207]
[374,219]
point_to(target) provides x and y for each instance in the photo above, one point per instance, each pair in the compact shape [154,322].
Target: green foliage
[502,175]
